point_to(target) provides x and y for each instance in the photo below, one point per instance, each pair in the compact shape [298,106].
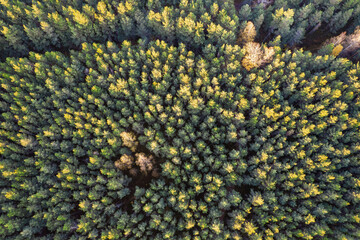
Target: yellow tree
[247,34]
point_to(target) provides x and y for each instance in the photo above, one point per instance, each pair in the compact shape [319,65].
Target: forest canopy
[192,119]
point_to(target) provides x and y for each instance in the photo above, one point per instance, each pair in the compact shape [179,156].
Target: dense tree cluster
[164,119]
[57,25]
[48,25]
[267,154]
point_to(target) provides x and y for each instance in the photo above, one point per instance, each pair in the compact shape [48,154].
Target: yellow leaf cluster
[337,50]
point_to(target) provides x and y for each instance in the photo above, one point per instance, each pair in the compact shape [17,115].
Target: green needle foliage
[59,25]
[267,154]
[167,120]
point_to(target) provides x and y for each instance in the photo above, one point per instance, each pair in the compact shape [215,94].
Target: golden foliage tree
[256,55]
[247,34]
[129,140]
[125,162]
